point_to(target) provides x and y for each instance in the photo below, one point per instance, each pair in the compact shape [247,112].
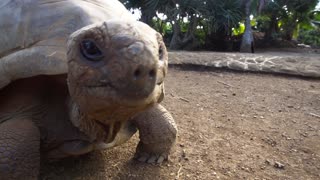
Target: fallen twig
[314,115]
[226,84]
[178,173]
[184,99]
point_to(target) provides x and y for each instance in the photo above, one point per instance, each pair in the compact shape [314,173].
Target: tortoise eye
[90,50]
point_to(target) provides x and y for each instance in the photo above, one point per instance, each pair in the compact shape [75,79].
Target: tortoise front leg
[19,150]
[157,132]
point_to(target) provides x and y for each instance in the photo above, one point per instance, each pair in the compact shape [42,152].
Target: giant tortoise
[78,76]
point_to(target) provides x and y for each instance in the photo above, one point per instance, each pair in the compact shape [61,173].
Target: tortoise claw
[160,159]
[151,158]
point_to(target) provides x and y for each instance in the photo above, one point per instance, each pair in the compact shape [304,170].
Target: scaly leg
[19,150]
[157,132]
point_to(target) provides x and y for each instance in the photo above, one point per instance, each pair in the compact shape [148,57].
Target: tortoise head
[116,68]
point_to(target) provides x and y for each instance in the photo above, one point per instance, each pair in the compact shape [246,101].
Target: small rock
[268,161]
[304,134]
[278,165]
[184,154]
[293,150]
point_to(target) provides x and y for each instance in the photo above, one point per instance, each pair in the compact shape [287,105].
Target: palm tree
[298,14]
[220,16]
[247,43]
[147,8]
[180,10]
[176,11]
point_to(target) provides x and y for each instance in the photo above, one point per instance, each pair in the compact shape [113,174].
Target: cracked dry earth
[231,126]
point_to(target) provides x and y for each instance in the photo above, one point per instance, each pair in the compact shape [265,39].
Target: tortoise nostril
[137,74]
[152,73]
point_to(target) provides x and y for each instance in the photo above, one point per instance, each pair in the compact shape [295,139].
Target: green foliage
[262,21]
[310,37]
[315,17]
[308,33]
[222,15]
[238,30]
[161,26]
[207,20]
[291,15]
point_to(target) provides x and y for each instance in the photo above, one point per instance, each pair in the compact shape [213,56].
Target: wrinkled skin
[126,79]
[114,86]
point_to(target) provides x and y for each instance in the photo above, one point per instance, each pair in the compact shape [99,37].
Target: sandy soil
[231,126]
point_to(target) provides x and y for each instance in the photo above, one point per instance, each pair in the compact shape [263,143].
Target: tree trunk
[189,41]
[247,38]
[186,41]
[175,41]
[290,27]
[273,28]
[146,17]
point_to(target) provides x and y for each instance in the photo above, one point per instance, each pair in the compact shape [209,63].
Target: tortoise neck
[94,129]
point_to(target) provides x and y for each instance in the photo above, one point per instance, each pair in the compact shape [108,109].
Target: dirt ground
[231,126]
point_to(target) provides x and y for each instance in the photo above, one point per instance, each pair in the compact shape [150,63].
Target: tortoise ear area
[163,58]
[162,50]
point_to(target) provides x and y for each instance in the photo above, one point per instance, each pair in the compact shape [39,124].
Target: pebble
[268,161]
[278,165]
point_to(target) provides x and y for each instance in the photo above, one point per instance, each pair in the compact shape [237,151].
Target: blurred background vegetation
[231,25]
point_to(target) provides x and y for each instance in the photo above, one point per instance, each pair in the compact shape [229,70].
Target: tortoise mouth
[107,93]
[106,88]
[111,93]
[103,85]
